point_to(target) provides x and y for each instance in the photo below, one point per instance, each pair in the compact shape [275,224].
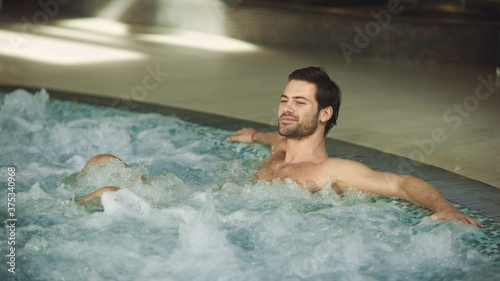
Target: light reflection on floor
[81,41]
[50,50]
[162,35]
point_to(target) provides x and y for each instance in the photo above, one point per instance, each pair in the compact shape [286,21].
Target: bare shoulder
[340,173]
[344,165]
[344,170]
[349,173]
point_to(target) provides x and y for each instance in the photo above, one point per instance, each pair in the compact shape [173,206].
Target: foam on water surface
[197,216]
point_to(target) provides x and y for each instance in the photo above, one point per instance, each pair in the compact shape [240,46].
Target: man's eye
[299,102]
[283,101]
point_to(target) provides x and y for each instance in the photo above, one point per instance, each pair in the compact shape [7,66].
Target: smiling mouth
[288,119]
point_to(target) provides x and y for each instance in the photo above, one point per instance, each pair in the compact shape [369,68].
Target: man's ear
[325,114]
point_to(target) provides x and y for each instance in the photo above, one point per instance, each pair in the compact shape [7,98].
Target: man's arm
[252,135]
[401,186]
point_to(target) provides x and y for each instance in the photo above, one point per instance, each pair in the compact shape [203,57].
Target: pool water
[198,216]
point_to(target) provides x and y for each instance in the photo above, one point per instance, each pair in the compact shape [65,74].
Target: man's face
[298,110]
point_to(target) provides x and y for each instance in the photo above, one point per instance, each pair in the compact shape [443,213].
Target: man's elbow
[400,186]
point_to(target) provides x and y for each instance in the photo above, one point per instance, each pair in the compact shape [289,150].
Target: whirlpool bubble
[197,216]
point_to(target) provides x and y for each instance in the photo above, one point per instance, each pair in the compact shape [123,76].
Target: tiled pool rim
[470,193]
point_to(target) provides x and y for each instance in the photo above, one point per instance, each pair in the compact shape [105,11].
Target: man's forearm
[270,138]
[252,135]
[425,194]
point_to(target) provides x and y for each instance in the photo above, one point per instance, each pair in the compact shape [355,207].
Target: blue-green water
[198,217]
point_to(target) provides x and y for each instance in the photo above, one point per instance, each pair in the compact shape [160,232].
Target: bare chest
[306,175]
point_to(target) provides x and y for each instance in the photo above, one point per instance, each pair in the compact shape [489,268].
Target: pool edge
[459,189]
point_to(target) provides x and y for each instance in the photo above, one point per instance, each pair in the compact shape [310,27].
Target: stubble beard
[300,130]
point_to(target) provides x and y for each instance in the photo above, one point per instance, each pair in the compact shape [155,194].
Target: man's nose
[288,107]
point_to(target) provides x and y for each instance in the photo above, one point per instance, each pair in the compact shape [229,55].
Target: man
[308,109]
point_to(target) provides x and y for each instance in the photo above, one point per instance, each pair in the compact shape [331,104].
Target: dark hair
[327,92]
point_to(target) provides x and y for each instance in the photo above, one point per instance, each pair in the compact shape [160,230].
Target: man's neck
[311,149]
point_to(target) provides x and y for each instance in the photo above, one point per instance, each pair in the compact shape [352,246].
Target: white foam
[22,104]
[197,216]
[37,243]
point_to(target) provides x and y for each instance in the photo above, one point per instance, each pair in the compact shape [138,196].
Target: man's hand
[252,135]
[453,213]
[243,135]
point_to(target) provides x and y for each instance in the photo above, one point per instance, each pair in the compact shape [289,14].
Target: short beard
[301,130]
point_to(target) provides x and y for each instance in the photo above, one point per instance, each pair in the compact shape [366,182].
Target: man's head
[310,98]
